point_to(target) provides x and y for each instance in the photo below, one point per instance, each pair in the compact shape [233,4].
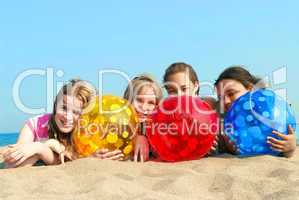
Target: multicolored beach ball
[253,117]
[183,128]
[110,123]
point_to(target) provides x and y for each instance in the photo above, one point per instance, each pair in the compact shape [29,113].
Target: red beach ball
[183,128]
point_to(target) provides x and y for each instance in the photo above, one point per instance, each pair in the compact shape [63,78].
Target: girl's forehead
[227,84]
[147,90]
[70,101]
[180,77]
[147,93]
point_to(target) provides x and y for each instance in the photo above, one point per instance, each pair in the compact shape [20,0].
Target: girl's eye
[152,103]
[77,113]
[184,89]
[231,94]
[64,108]
[172,92]
[139,100]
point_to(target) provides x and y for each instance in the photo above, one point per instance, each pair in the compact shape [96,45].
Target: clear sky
[82,37]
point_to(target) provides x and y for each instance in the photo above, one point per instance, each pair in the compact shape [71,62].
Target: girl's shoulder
[41,118]
[39,125]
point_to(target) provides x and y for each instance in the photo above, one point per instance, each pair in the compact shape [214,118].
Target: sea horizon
[8,138]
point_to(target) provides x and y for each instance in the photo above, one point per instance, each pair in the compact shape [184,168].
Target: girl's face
[229,90]
[145,102]
[180,84]
[68,111]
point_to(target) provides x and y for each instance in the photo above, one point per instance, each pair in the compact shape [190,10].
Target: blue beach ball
[253,117]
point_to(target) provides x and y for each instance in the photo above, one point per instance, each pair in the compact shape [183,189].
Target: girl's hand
[214,148]
[15,155]
[286,145]
[229,145]
[141,151]
[105,154]
[57,147]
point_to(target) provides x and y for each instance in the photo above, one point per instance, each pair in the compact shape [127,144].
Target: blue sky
[82,37]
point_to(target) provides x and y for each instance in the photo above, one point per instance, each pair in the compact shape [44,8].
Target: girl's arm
[46,154]
[58,148]
[25,148]
[141,150]
[17,155]
[105,154]
[26,135]
[32,161]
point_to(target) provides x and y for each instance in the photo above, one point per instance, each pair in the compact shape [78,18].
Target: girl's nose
[69,117]
[180,92]
[146,108]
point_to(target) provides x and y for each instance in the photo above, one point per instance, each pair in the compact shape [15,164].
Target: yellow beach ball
[110,122]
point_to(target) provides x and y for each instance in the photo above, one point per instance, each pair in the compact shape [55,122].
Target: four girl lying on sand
[47,138]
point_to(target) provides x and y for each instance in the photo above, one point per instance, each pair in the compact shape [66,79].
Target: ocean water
[8,138]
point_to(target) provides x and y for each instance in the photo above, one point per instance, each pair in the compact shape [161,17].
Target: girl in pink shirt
[39,127]
[44,136]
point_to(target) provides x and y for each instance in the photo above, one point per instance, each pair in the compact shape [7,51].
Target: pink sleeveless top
[39,127]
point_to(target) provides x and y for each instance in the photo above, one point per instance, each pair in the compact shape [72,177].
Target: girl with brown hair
[236,81]
[181,79]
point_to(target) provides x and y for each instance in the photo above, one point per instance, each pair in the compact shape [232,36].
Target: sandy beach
[223,177]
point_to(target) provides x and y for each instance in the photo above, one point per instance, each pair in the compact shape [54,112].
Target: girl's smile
[67,113]
[145,102]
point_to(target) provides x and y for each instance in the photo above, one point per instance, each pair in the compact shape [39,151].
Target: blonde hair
[138,83]
[79,89]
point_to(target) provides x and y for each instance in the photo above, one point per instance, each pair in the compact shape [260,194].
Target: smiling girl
[145,94]
[33,143]
[233,83]
[181,79]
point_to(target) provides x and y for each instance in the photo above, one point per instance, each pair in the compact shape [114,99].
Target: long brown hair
[240,74]
[80,90]
[181,67]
